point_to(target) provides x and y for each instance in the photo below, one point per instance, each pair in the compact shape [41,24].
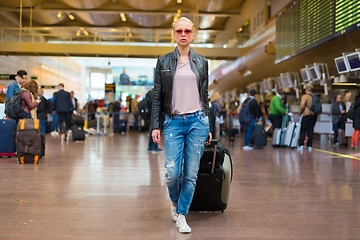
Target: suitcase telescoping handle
[215,142]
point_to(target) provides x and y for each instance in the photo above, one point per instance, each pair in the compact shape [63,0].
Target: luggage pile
[287,135]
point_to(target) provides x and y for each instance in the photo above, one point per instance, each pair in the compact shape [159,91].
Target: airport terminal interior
[111,184]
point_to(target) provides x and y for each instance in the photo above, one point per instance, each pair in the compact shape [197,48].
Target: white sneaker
[174,214]
[300,148]
[248,148]
[182,225]
[309,149]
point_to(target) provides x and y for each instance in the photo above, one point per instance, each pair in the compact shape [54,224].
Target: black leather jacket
[163,86]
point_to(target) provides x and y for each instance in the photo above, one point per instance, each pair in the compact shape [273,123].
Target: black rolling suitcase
[77,120]
[214,178]
[259,137]
[78,133]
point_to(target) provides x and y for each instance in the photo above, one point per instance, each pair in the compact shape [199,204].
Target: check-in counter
[324,122]
[2,110]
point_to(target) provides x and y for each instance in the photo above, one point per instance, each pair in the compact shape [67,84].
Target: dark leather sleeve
[206,92]
[27,97]
[157,98]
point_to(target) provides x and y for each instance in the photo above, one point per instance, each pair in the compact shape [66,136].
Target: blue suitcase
[7,137]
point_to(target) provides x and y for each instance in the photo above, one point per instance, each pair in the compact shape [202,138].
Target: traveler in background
[135,112]
[63,107]
[266,109]
[116,114]
[347,96]
[42,110]
[277,110]
[152,146]
[308,120]
[356,124]
[215,111]
[54,116]
[28,99]
[181,91]
[337,112]
[255,113]
[14,87]
[74,101]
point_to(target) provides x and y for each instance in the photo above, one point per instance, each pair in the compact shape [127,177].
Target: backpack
[316,107]
[145,109]
[13,107]
[245,114]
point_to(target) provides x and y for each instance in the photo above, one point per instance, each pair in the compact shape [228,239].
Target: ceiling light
[177,16]
[240,29]
[179,1]
[123,17]
[58,15]
[78,33]
[86,33]
[72,17]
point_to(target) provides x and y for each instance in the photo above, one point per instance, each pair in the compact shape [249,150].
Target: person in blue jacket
[14,87]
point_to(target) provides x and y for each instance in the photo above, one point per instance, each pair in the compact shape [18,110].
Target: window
[97,80]
[97,85]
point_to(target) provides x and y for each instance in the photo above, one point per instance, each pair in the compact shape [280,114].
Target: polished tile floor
[111,187]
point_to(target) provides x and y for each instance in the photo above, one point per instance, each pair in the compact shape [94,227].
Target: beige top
[185,93]
[305,105]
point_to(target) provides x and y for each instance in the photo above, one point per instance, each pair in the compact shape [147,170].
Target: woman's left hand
[208,141]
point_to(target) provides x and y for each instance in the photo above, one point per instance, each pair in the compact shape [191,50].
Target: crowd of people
[35,105]
[275,113]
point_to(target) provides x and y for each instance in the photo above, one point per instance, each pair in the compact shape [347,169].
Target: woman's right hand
[156,136]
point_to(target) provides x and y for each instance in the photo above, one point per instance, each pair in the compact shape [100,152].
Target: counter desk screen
[341,66]
[354,61]
[313,74]
[304,75]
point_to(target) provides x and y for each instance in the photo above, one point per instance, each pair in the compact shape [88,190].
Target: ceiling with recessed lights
[145,23]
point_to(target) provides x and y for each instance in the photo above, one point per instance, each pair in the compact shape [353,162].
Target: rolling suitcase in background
[78,133]
[341,137]
[214,178]
[259,136]
[77,120]
[7,137]
[42,153]
[231,133]
[279,135]
[122,126]
[28,141]
[292,134]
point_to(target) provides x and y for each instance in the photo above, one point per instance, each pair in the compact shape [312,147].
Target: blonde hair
[182,19]
[215,97]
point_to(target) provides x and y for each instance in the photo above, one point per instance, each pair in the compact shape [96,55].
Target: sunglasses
[186,32]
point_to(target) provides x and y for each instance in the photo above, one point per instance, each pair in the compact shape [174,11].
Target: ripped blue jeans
[185,136]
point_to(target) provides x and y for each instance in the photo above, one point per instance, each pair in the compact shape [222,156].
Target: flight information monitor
[304,24]
[341,65]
